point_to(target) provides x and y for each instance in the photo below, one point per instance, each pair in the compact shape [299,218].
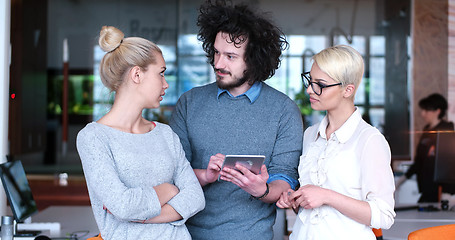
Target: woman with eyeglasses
[346,182]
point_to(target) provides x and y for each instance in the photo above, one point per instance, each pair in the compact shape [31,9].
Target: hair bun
[110,38]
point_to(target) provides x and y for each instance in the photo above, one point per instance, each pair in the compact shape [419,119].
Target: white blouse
[355,162]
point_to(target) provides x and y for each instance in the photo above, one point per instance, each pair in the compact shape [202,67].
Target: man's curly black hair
[265,40]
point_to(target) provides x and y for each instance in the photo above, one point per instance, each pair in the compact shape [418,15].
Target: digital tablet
[252,162]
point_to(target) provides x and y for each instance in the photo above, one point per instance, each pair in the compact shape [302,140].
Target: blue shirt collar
[252,94]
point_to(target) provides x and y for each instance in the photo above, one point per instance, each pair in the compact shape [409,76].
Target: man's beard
[236,82]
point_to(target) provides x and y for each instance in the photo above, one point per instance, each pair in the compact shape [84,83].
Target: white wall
[4,87]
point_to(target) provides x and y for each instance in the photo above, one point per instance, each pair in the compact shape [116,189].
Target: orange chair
[96,238]
[444,232]
[378,233]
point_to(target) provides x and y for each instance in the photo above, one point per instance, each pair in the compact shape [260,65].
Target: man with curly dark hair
[239,114]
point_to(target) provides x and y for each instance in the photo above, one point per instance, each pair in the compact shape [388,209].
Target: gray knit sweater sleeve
[190,199]
[105,183]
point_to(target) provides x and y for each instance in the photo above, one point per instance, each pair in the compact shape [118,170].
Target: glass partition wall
[309,27]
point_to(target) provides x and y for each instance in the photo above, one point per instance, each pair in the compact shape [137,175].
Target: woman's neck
[125,115]
[337,117]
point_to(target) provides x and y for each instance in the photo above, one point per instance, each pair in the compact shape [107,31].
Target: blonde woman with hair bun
[141,186]
[346,181]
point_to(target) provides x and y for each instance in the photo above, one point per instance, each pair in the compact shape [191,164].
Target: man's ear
[349,91]
[135,74]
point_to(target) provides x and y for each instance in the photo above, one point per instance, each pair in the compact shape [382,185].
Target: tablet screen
[252,162]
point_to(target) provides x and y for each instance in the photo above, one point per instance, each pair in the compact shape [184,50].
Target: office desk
[405,222]
[73,219]
[411,220]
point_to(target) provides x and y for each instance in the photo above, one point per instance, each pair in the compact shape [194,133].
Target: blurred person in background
[432,110]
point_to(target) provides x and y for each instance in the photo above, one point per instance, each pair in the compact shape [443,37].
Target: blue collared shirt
[252,94]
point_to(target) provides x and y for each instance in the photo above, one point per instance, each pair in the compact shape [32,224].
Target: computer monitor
[17,190]
[444,171]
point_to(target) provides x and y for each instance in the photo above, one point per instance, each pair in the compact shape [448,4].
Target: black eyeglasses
[316,86]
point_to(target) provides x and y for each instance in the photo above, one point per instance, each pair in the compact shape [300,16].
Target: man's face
[229,62]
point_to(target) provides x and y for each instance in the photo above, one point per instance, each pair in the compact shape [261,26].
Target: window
[189,68]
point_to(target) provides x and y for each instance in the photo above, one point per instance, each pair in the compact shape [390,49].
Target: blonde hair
[122,54]
[342,63]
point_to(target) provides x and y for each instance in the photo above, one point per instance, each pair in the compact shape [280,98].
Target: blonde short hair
[342,63]
[122,54]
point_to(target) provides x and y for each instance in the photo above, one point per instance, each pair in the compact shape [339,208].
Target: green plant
[303,102]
